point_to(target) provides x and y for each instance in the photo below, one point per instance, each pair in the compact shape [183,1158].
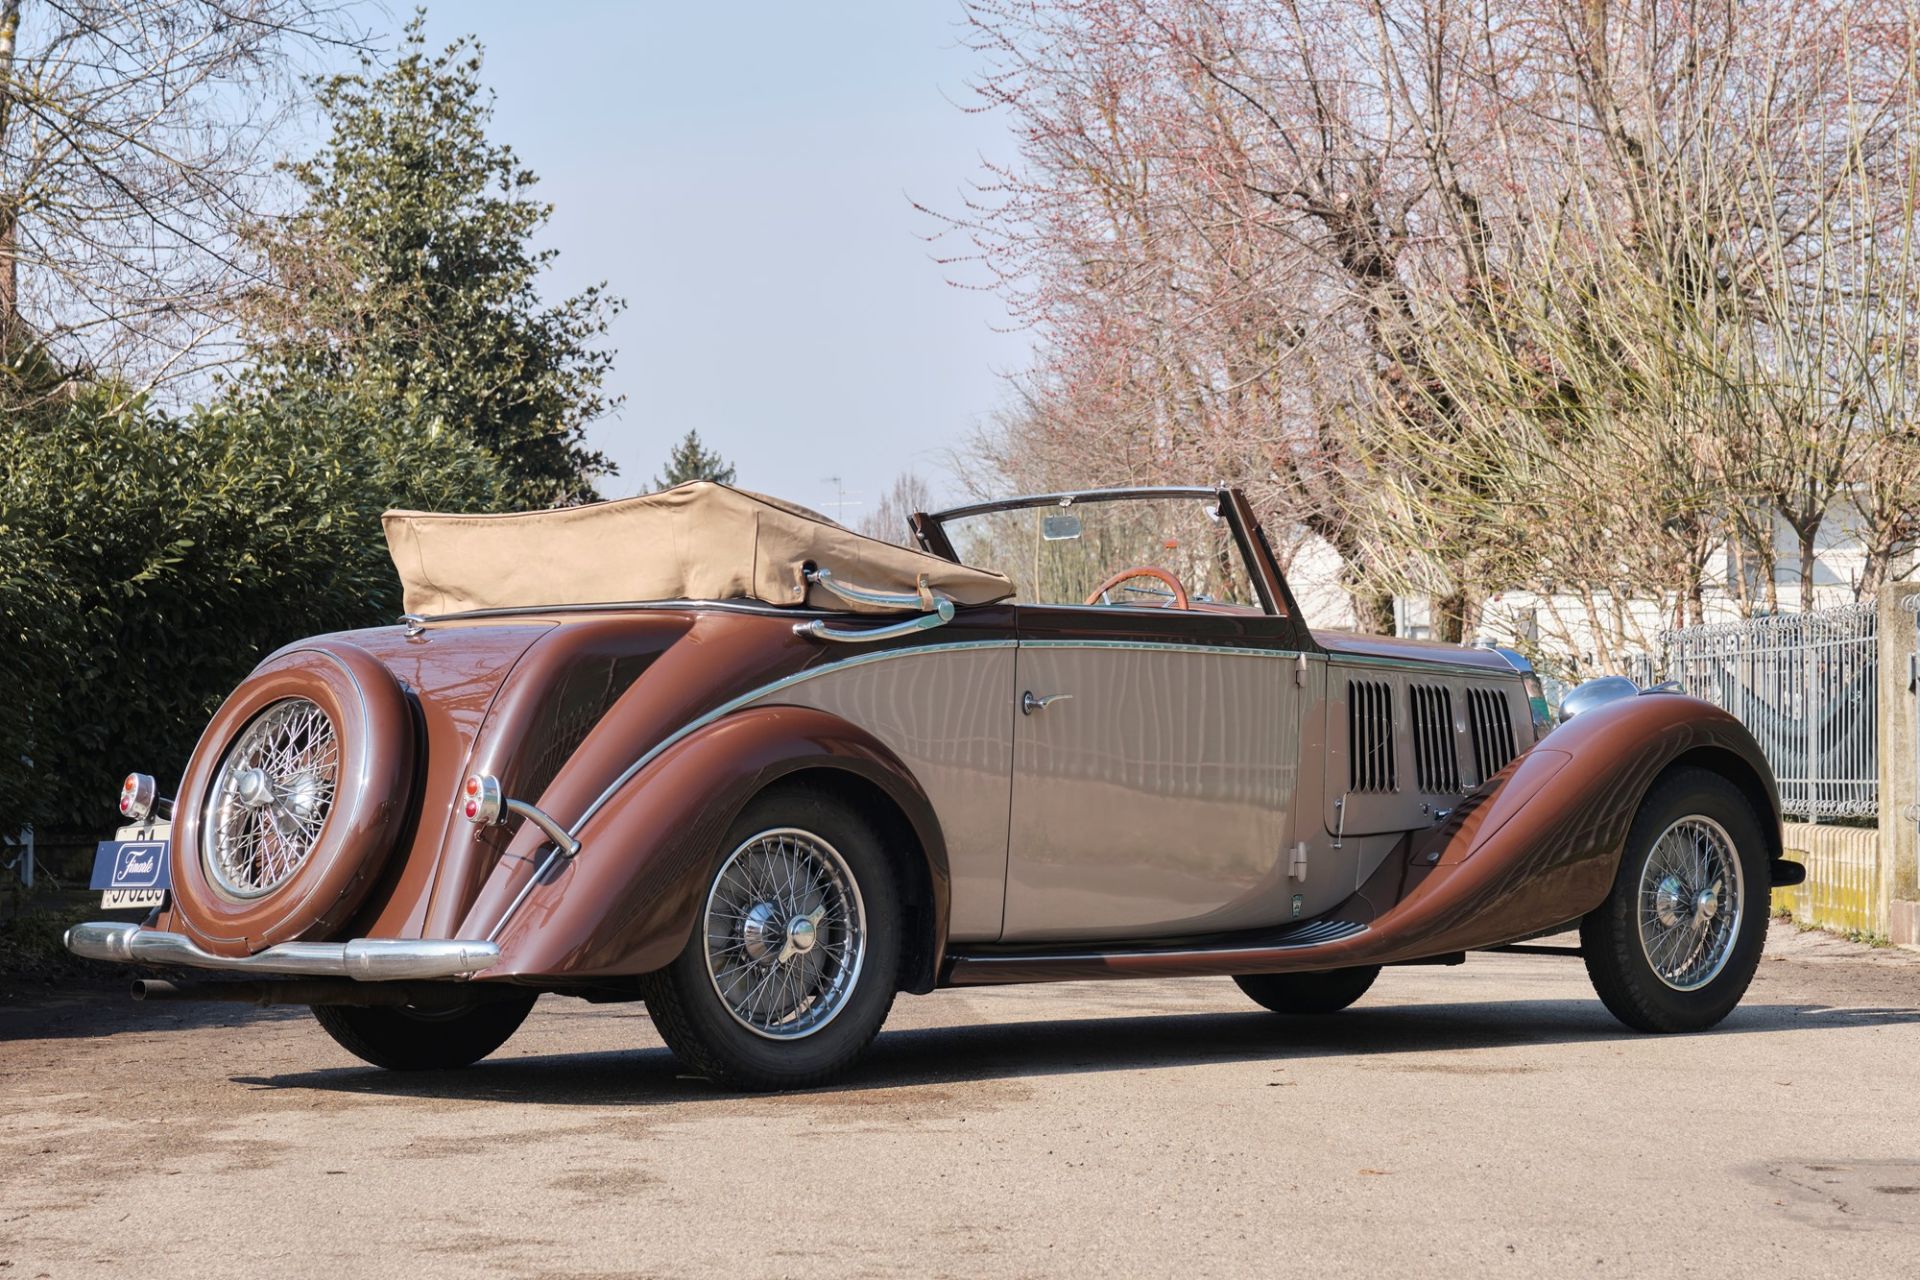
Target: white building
[1564,624]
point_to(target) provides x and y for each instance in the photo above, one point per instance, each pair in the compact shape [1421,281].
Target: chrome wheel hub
[270,799]
[1692,900]
[786,934]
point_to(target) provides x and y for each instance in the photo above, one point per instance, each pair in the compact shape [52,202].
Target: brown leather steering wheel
[1141,571]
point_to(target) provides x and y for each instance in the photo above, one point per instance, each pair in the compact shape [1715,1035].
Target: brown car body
[1197,811]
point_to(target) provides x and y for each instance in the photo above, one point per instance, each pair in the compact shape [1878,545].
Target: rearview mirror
[1060,528]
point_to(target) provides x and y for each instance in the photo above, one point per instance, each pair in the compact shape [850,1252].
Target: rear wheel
[1675,944]
[1327,992]
[407,1039]
[795,959]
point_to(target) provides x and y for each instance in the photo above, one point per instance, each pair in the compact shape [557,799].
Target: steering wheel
[1141,571]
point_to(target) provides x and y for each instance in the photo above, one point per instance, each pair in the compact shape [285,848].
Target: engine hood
[1352,644]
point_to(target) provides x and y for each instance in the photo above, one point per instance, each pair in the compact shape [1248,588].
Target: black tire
[700,1027]
[1610,935]
[1308,993]
[410,1040]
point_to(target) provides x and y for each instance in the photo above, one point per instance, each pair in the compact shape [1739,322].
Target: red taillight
[137,795]
[483,800]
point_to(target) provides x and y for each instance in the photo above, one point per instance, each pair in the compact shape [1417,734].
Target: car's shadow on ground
[920,1057]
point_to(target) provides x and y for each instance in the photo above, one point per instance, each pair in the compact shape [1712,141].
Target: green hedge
[147,563]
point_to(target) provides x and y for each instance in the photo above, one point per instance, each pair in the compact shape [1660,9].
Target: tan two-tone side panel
[1156,796]
[947,711]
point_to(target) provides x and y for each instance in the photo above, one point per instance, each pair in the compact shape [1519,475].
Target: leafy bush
[147,563]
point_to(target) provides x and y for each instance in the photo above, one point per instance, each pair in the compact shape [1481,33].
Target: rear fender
[628,902]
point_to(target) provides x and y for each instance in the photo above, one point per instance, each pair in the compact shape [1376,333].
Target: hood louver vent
[1436,758]
[1370,736]
[1492,723]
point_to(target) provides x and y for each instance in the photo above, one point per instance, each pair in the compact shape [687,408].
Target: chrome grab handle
[1030,704]
[821,629]
[937,611]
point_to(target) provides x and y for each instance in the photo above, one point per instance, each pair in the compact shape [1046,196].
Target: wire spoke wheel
[786,933]
[270,799]
[1692,897]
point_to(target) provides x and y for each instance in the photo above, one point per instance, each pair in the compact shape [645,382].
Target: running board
[1288,949]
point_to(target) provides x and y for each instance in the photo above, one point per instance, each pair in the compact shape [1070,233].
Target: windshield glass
[1075,553]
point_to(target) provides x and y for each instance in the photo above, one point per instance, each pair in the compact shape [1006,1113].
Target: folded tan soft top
[697,541]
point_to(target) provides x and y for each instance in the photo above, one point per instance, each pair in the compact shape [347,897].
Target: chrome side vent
[1370,763]
[1491,719]
[1436,758]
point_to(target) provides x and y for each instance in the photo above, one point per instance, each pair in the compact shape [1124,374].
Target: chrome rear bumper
[365,959]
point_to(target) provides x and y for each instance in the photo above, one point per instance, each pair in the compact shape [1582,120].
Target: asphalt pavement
[1489,1119]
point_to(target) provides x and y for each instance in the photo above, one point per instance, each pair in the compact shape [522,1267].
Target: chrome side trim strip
[1422,664]
[1165,646]
[622,606]
[363,959]
[540,876]
[753,695]
[700,722]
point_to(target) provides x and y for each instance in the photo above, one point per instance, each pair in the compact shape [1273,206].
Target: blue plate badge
[132,873]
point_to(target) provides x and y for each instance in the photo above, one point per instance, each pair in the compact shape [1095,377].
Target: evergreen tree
[408,293]
[691,460]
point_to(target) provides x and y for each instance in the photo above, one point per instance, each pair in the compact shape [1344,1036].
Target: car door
[1156,760]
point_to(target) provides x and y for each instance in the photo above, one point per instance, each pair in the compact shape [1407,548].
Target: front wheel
[1327,992]
[795,958]
[1676,943]
[408,1039]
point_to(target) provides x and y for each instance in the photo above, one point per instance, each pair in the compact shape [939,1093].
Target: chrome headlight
[1597,693]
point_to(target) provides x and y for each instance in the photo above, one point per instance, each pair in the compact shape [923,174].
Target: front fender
[628,902]
[1542,844]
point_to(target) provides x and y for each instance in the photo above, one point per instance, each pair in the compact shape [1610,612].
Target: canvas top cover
[696,541]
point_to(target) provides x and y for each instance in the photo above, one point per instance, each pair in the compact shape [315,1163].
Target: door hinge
[1297,864]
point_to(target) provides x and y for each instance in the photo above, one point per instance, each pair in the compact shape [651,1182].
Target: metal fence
[1805,685]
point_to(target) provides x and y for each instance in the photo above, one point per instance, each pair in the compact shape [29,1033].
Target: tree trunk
[1453,616]
[1372,610]
[1806,531]
[9,263]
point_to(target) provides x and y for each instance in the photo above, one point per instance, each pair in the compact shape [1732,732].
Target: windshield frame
[1262,573]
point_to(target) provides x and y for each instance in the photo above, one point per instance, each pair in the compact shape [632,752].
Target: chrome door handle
[1030,704]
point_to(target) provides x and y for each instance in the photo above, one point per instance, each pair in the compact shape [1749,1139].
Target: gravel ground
[1489,1119]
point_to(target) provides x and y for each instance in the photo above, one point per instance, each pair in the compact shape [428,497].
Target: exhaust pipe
[310,991]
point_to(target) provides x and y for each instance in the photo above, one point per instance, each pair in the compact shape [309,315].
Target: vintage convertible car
[719,754]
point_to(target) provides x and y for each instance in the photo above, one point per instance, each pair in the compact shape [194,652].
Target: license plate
[129,899]
[132,873]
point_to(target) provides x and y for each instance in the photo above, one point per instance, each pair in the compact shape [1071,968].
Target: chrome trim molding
[1166,646]
[613,606]
[1420,664]
[753,695]
[541,874]
[553,859]
[1068,498]
[363,959]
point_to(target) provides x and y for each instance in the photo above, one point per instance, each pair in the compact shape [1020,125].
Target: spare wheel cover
[293,800]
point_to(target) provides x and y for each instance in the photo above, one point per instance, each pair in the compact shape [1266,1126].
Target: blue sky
[741,174]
